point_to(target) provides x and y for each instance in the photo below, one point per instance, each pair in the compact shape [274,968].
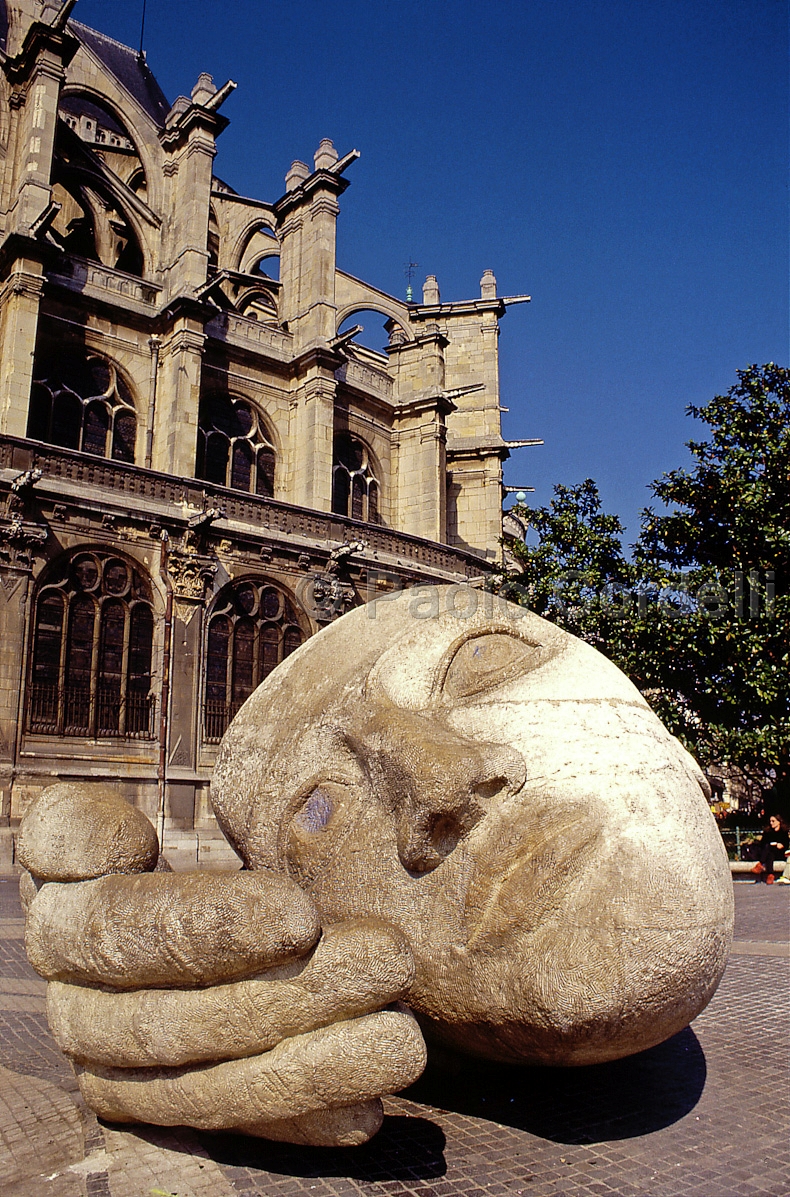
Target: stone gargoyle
[441,799]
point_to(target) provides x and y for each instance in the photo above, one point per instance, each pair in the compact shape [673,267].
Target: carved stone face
[501,792]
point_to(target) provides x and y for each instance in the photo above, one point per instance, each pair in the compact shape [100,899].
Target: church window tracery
[233,446]
[355,490]
[85,407]
[91,659]
[252,629]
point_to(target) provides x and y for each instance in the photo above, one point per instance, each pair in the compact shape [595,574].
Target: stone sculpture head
[460,767]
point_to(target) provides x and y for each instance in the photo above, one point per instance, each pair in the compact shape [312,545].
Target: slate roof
[129,69]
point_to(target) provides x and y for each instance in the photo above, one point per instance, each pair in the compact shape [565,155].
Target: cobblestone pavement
[703,1115]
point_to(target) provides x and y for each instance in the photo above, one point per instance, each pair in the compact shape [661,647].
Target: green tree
[700,620]
[578,558]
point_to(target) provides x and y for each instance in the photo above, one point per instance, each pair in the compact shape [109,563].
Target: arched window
[355,491]
[253,627]
[233,448]
[84,406]
[90,669]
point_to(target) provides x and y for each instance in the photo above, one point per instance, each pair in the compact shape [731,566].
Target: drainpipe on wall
[153,345]
[164,713]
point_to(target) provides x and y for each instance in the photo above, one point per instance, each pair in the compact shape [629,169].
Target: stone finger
[28,888]
[168,929]
[345,1126]
[337,1066]
[356,968]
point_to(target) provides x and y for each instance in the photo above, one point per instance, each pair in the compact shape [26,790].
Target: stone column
[35,75]
[19,541]
[189,572]
[189,140]
[178,396]
[421,438]
[475,487]
[311,433]
[20,296]
[306,224]
[420,469]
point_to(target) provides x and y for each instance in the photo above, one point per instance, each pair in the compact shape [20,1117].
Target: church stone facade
[198,466]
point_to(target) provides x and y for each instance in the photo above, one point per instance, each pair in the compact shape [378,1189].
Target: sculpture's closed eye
[486,661]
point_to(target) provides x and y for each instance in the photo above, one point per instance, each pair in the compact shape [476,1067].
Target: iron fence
[739,840]
[217,714]
[74,711]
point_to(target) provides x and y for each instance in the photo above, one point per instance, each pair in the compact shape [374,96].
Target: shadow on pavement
[600,1102]
[404,1148]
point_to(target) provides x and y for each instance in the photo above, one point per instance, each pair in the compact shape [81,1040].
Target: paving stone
[703,1115]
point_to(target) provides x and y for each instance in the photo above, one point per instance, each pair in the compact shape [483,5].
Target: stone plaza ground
[703,1115]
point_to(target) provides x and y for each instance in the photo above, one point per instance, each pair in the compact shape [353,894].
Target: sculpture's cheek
[594,941]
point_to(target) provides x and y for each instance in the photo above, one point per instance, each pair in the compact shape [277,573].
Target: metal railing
[72,711]
[217,714]
[739,839]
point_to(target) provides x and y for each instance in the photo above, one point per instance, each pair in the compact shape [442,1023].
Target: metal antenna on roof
[409,272]
[142,31]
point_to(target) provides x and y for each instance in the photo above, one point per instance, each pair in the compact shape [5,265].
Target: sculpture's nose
[436,783]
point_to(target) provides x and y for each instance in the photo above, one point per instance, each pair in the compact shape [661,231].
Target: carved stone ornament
[325,597]
[19,540]
[190,574]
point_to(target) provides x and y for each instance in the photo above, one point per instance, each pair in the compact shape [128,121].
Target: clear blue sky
[625,162]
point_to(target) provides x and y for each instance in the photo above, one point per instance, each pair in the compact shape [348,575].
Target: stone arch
[257,234]
[390,312]
[91,182]
[141,139]
[257,303]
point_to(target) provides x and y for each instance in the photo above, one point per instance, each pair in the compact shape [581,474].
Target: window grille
[90,670]
[253,628]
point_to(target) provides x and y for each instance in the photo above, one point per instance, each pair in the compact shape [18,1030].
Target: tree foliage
[700,619]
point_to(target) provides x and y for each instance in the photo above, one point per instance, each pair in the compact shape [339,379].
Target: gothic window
[233,447]
[90,669]
[355,491]
[87,407]
[253,627]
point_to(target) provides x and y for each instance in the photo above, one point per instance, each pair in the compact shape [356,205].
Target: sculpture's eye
[318,828]
[486,661]
[316,812]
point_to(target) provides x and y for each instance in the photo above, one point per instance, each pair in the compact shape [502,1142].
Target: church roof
[129,68]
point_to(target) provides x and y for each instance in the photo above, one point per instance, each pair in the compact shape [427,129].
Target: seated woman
[774,844]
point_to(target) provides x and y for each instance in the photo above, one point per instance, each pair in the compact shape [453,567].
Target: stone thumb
[73,832]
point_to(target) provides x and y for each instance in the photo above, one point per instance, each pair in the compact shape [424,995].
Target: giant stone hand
[211,1000]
